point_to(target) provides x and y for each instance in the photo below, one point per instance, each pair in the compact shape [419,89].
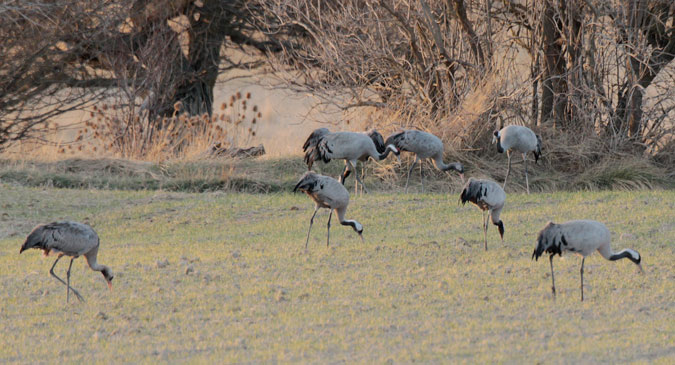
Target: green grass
[421,288]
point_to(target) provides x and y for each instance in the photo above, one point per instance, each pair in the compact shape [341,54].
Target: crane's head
[496,138]
[108,275]
[636,258]
[537,151]
[459,168]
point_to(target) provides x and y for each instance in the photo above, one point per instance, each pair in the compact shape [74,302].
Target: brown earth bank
[274,174]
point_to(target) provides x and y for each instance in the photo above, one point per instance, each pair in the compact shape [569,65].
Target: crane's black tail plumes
[307,182]
[318,152]
[35,239]
[378,140]
[548,241]
[472,192]
[537,152]
[536,254]
[310,146]
[313,138]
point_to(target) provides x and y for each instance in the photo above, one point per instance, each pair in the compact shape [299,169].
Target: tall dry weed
[118,130]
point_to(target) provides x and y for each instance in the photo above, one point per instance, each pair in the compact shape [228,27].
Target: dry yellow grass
[239,288]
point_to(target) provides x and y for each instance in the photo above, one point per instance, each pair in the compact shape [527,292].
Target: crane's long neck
[606,252]
[626,254]
[93,264]
[438,161]
[389,148]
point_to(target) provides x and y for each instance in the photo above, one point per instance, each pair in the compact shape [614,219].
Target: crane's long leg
[485,228]
[344,174]
[409,171]
[356,184]
[363,173]
[582,278]
[422,174]
[51,271]
[328,234]
[311,221]
[68,280]
[508,169]
[527,183]
[358,179]
[550,258]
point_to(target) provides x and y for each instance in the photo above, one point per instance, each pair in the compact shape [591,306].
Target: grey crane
[424,145]
[349,146]
[520,139]
[582,237]
[314,138]
[67,238]
[489,197]
[327,193]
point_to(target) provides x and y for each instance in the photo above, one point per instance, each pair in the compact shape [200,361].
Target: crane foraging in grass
[349,146]
[424,145]
[489,197]
[327,193]
[520,139]
[314,138]
[72,239]
[582,237]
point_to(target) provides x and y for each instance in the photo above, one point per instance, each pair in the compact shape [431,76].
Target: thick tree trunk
[650,37]
[552,107]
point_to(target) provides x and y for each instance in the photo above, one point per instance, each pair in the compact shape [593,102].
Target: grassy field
[223,277]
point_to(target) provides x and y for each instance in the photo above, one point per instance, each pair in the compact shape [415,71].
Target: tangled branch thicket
[594,77]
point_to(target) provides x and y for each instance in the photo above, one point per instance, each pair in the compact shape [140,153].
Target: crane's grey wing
[331,192]
[493,194]
[71,238]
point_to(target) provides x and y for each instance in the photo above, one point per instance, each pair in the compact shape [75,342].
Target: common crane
[489,197]
[520,139]
[424,145]
[327,193]
[582,237]
[67,238]
[349,146]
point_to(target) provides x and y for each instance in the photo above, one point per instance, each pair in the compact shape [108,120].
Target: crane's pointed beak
[109,285]
[362,239]
[461,176]
[641,270]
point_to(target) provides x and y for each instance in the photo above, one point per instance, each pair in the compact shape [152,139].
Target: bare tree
[60,55]
[384,53]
